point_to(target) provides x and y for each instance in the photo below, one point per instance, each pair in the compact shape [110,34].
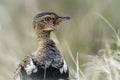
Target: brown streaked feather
[17,71]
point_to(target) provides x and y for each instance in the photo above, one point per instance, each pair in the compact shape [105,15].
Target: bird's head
[47,21]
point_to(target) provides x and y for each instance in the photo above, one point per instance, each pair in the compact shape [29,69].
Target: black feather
[45,13]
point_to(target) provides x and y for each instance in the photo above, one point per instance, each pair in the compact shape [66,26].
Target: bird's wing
[28,65]
[64,68]
[61,65]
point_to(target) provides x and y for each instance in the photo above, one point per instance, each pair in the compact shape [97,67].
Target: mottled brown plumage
[46,63]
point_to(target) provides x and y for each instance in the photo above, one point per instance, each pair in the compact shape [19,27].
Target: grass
[103,66]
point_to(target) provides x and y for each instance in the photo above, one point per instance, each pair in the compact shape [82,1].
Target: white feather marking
[30,67]
[18,77]
[64,68]
[61,70]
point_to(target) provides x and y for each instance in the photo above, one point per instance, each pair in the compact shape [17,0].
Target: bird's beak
[61,18]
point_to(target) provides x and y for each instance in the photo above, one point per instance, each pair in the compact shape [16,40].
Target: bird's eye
[47,19]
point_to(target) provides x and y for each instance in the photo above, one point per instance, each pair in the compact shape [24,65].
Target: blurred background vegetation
[86,33]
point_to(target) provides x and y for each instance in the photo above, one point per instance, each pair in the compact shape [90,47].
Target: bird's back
[47,65]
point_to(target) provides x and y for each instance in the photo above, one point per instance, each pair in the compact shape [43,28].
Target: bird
[46,63]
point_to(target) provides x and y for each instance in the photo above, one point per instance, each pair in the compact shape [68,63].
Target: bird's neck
[43,37]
